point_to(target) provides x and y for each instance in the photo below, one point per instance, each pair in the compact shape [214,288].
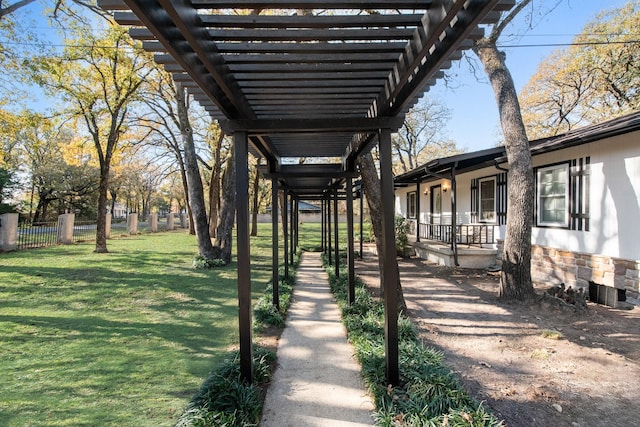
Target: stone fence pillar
[153,222]
[107,226]
[132,223]
[170,225]
[183,220]
[65,228]
[8,232]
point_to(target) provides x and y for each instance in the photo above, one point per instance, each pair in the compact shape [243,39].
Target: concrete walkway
[317,381]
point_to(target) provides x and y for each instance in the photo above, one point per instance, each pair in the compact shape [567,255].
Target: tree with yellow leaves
[595,79]
[99,78]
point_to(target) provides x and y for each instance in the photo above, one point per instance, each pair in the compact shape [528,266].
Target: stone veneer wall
[555,266]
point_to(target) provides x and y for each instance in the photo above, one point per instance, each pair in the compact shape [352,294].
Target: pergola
[308,78]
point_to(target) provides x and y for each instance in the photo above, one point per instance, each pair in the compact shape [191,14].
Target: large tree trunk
[101,226]
[195,193]
[214,187]
[371,182]
[254,203]
[515,278]
[223,243]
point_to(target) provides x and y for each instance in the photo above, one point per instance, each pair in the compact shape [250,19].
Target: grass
[429,393]
[123,338]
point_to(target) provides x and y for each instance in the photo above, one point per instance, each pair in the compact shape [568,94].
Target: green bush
[225,400]
[402,229]
[202,263]
[430,394]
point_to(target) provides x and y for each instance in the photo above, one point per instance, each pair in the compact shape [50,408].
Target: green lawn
[120,339]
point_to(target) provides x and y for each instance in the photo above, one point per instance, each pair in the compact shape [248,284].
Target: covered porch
[438,229]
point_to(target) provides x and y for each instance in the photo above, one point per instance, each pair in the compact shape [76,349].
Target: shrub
[202,263]
[430,394]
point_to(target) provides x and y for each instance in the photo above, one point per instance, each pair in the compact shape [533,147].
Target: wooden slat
[311,57]
[322,75]
[308,67]
[311,4]
[310,34]
[303,21]
[328,48]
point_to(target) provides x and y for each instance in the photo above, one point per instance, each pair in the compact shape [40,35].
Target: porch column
[335,232]
[418,210]
[350,242]
[285,232]
[275,279]
[244,254]
[390,270]
[454,215]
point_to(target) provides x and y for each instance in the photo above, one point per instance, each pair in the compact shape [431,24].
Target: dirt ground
[588,377]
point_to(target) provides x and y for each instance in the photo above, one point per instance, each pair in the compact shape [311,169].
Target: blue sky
[474,125]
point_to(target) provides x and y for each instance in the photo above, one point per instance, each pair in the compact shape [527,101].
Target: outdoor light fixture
[445,186]
[426,192]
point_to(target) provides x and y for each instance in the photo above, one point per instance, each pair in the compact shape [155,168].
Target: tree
[194,181]
[216,139]
[371,182]
[595,79]
[515,278]
[100,79]
[58,6]
[421,132]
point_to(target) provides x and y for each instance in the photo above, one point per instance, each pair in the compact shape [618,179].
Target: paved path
[317,381]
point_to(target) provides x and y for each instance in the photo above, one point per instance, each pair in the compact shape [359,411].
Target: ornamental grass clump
[225,400]
[429,393]
[265,313]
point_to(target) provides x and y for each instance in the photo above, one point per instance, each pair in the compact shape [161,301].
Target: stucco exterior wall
[609,252]
[614,193]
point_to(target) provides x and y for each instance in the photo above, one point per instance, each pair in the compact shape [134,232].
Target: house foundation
[580,270]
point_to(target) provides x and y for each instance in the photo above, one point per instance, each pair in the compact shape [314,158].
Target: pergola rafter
[308,78]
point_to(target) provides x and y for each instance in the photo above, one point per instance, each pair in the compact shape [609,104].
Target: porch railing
[469,234]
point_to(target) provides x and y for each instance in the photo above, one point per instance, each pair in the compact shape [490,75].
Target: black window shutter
[501,198]
[579,194]
[475,199]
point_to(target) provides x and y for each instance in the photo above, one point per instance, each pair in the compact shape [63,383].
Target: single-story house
[586,230]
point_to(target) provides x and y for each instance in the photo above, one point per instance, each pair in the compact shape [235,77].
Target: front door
[436,204]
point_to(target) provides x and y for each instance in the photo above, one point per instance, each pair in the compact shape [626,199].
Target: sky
[475,124]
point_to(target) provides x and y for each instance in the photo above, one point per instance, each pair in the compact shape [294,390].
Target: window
[411,205]
[488,200]
[553,195]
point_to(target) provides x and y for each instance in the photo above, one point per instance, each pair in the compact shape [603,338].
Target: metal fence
[37,235]
[84,231]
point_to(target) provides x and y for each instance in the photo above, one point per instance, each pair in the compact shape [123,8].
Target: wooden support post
[274,244]
[323,246]
[350,243]
[285,233]
[244,254]
[336,235]
[390,266]
[329,228]
[361,219]
[292,230]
